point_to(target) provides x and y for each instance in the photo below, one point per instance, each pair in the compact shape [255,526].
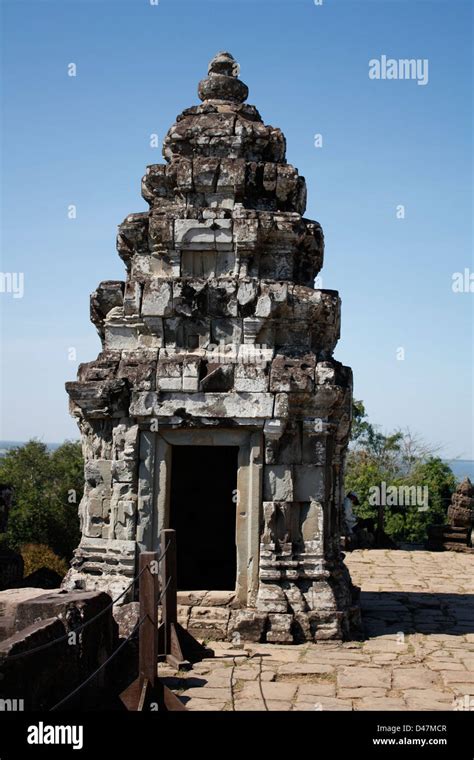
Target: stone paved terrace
[418,611]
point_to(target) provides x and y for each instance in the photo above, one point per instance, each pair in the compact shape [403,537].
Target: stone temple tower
[215,406]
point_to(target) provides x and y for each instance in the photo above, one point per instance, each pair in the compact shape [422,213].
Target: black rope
[38,649]
[163,555]
[101,667]
[81,627]
[116,651]
[164,590]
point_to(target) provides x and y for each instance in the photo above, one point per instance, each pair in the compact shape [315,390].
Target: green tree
[360,425]
[47,489]
[397,459]
[437,478]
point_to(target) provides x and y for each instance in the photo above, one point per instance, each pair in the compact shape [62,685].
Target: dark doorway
[203,513]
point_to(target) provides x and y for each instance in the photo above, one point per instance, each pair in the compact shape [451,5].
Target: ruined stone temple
[458,533]
[215,406]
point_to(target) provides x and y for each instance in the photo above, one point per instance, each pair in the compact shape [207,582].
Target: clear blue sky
[85,141]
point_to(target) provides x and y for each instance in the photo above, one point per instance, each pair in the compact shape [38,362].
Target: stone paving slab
[418,612]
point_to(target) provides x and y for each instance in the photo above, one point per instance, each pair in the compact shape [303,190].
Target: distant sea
[460,467]
[6,445]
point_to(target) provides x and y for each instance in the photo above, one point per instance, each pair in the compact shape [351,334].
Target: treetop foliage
[47,486]
[397,459]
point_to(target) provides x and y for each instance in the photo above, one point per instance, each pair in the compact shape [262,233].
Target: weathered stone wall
[218,326]
[47,622]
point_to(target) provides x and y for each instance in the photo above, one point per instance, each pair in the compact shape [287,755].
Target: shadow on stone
[386,612]
[176,683]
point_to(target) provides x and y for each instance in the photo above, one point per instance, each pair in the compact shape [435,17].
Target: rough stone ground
[418,612]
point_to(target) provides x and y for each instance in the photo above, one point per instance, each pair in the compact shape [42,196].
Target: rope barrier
[164,590]
[81,627]
[101,667]
[116,651]
[163,555]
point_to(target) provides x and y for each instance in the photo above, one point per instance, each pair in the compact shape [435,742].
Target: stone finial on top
[222,82]
[224,63]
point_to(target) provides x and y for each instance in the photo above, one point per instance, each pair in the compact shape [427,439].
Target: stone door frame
[154,494]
